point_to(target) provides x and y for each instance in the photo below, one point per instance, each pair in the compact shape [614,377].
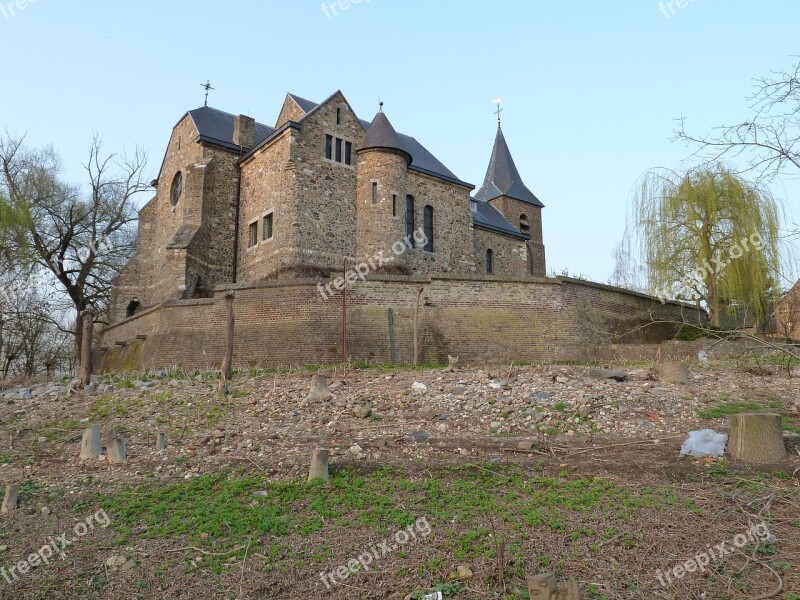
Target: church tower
[503,188]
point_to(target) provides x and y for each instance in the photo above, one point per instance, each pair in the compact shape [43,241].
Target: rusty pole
[344,314]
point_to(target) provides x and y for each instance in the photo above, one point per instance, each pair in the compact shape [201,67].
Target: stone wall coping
[613,288]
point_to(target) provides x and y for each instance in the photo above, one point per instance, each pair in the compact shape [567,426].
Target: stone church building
[240,201]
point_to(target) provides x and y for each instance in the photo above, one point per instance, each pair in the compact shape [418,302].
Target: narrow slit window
[394,205]
[374,192]
[410,220]
[489,261]
[428,228]
[329,147]
[338,116]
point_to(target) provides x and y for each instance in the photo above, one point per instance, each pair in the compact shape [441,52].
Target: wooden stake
[161,442]
[416,325]
[227,362]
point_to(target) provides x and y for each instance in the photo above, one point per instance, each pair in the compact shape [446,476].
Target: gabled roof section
[382,135]
[216,127]
[422,160]
[306,105]
[502,177]
[486,216]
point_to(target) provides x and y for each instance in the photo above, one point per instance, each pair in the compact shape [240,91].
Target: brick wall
[482,320]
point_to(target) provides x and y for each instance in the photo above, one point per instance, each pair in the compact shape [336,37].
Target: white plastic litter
[418,385]
[705,442]
[702,356]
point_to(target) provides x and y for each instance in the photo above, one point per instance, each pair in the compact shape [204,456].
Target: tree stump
[452,363]
[319,465]
[673,372]
[10,499]
[115,448]
[91,445]
[756,438]
[544,587]
[319,389]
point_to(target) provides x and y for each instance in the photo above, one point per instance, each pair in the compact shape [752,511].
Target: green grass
[220,513]
[733,407]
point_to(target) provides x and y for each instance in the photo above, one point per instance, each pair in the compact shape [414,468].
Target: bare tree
[769,140]
[83,240]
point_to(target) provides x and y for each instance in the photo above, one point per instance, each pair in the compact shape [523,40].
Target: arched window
[428,228]
[176,189]
[410,220]
[489,261]
[524,225]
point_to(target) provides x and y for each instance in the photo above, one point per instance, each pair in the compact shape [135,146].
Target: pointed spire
[382,135]
[502,177]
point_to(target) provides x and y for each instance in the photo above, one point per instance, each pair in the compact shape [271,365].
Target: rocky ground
[568,421]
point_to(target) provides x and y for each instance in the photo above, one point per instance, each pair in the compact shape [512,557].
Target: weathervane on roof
[496,101]
[206,86]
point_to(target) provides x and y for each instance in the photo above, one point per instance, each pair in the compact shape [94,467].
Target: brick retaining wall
[490,320]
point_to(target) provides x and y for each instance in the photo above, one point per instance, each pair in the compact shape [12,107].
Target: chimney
[243,129]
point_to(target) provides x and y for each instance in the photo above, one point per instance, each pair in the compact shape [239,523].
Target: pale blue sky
[590,89]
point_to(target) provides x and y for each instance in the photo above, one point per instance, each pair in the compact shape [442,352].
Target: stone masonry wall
[513,209]
[483,319]
[510,255]
[156,273]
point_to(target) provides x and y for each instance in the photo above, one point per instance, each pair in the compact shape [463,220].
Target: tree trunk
[756,438]
[86,349]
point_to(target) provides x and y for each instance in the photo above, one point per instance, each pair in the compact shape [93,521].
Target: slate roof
[306,105]
[216,127]
[486,216]
[381,134]
[502,177]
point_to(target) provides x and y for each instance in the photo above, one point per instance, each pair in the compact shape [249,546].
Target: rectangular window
[348,152]
[410,220]
[374,192]
[329,147]
[253,234]
[267,230]
[338,149]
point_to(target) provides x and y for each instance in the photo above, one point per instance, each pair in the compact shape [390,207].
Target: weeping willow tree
[710,238]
